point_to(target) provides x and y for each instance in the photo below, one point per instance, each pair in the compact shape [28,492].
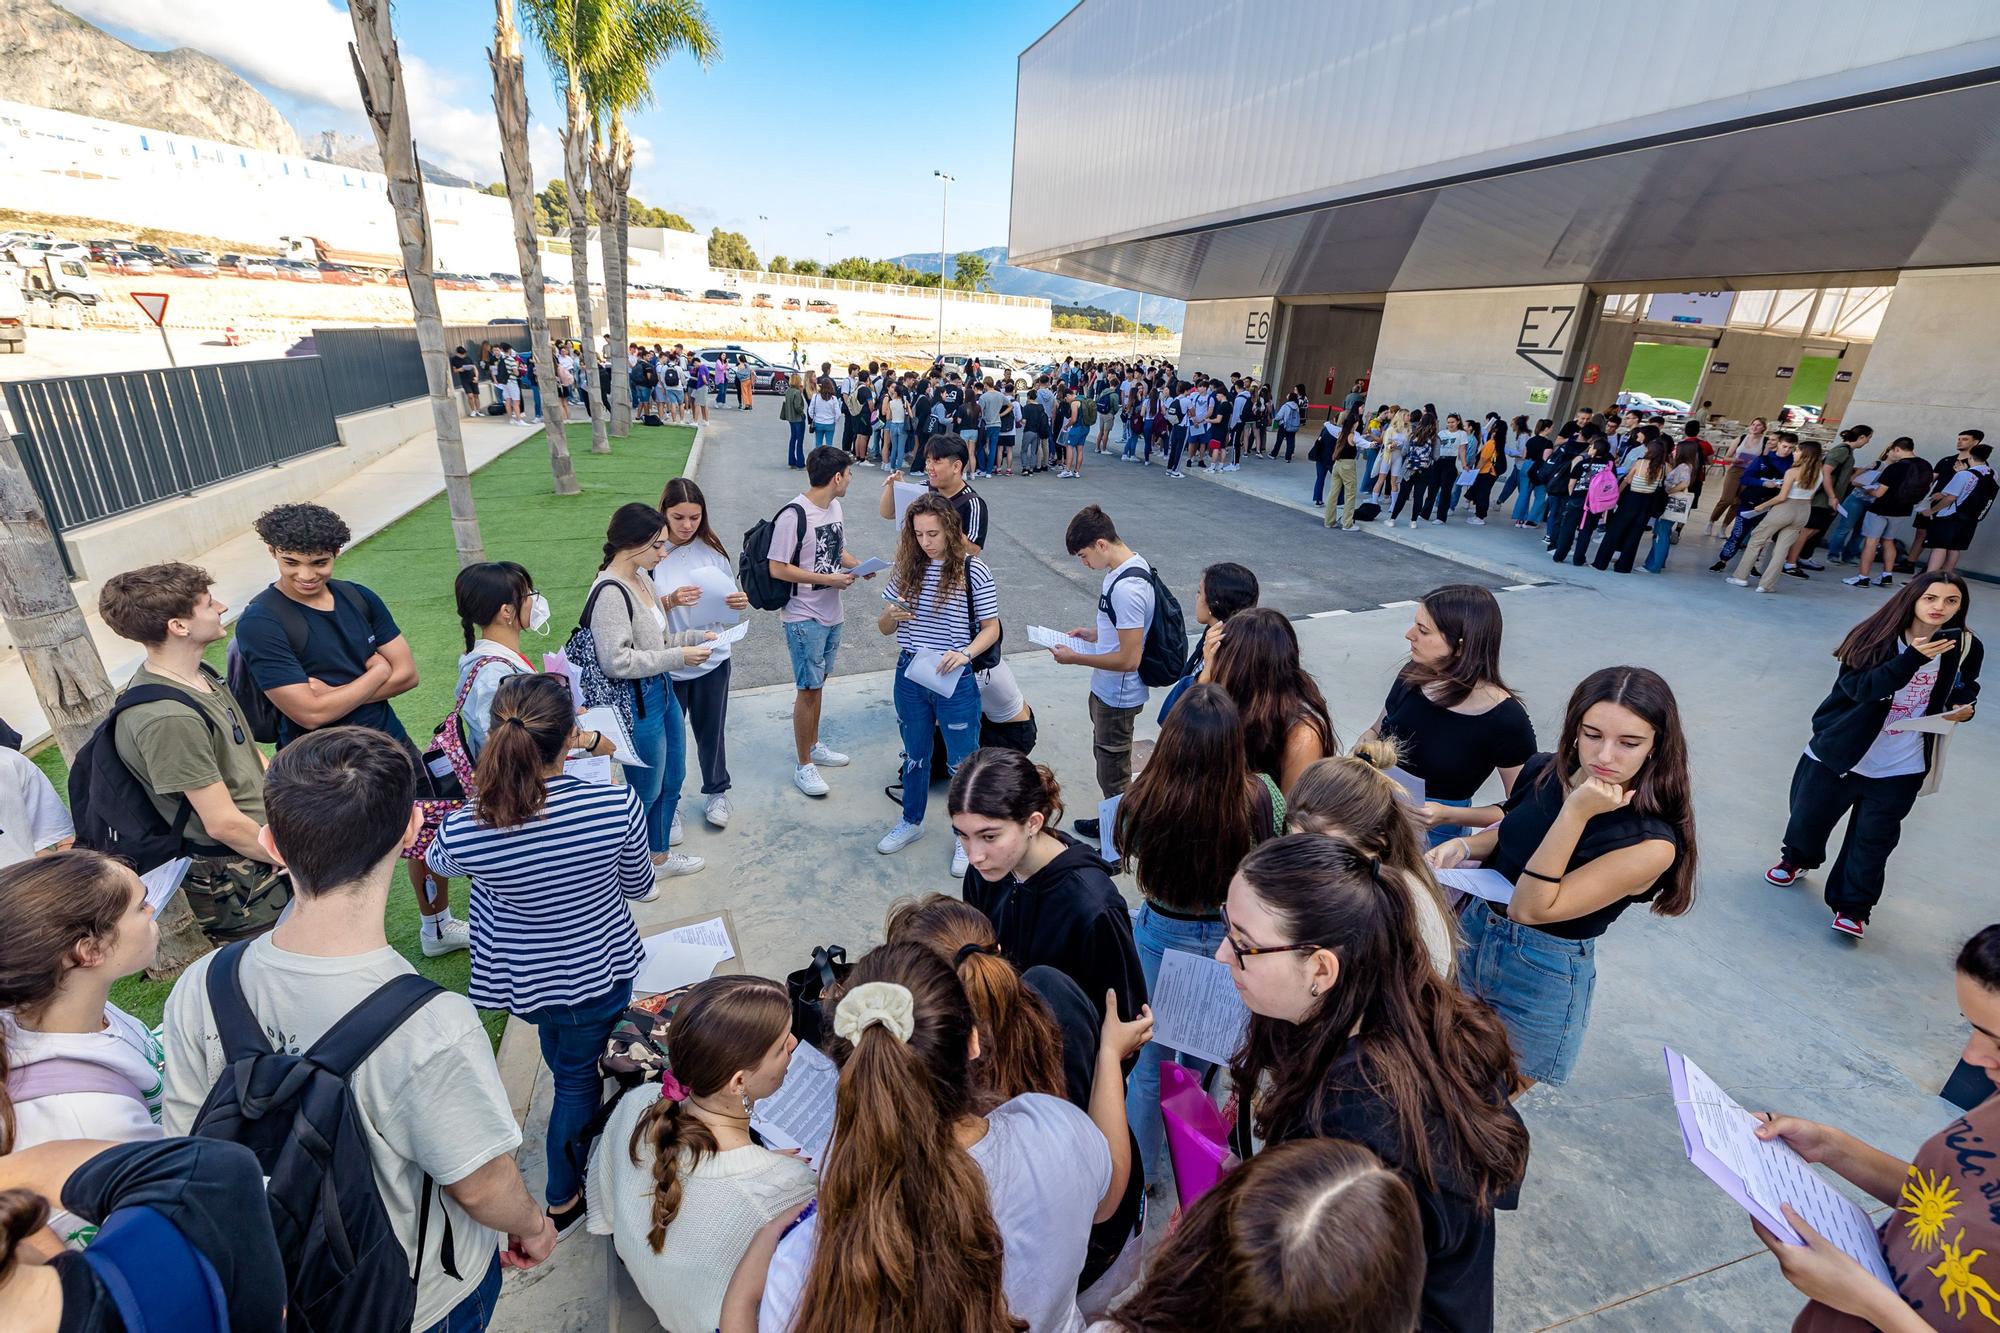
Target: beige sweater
[637,647]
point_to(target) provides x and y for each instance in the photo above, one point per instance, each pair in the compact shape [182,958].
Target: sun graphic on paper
[1930,1201]
[1956,1279]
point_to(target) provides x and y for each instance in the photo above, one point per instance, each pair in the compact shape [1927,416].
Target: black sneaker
[1796,572]
[568,1219]
[1718,567]
[1086,828]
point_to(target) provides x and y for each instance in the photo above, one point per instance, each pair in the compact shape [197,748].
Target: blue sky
[817,117]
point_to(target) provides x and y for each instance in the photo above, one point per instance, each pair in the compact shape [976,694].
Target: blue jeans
[1844,541]
[898,432]
[535,388]
[1539,984]
[472,1314]
[660,740]
[1369,458]
[1443,833]
[821,434]
[1528,499]
[1155,932]
[1663,542]
[1319,482]
[921,710]
[572,1037]
[989,440]
[795,443]
[1516,481]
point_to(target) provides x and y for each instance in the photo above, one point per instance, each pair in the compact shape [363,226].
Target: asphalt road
[1180,526]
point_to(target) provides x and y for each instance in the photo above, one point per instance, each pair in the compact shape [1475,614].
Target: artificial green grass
[411,565]
[1672,371]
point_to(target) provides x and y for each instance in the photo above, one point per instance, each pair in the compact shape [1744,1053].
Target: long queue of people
[997,1127]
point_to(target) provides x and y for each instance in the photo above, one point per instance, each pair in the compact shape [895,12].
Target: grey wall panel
[1136,117]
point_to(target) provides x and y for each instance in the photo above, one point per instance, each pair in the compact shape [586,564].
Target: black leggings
[1875,810]
[705,700]
[1480,493]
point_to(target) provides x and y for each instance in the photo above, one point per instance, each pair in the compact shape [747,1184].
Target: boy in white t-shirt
[1124,613]
[33,818]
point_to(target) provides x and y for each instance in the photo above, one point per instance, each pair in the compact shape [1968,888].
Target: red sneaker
[1784,874]
[1847,925]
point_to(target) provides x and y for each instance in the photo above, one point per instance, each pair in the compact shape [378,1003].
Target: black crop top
[1532,810]
[1455,752]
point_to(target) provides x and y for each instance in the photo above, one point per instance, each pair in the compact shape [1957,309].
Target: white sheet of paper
[604,718]
[1774,1174]
[923,669]
[1107,823]
[1933,722]
[712,610]
[734,634]
[906,491]
[1048,638]
[874,564]
[1491,885]
[591,768]
[711,933]
[800,1113]
[162,880]
[1196,1009]
[1412,785]
[671,962]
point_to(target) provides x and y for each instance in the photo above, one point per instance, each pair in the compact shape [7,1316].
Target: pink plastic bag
[1197,1135]
[557,664]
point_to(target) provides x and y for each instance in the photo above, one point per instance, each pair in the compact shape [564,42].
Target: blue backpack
[138,1250]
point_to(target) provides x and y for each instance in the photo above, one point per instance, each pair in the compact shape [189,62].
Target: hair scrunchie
[874,1002]
[966,951]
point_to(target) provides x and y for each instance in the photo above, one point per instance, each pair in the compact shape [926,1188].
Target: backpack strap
[590,602]
[235,1023]
[52,1078]
[368,1024]
[182,1292]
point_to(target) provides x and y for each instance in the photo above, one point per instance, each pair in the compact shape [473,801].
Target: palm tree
[510,104]
[378,69]
[642,34]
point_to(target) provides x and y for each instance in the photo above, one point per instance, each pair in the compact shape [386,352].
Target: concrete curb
[1381,531]
[694,452]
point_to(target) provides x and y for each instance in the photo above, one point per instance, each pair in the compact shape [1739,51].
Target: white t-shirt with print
[1132,608]
[1895,753]
[825,539]
[32,816]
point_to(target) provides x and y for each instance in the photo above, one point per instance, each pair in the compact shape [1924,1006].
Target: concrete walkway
[1615,1230]
[370,500]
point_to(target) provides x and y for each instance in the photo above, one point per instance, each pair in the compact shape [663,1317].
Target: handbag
[810,987]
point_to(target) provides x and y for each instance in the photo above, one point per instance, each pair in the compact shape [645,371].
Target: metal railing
[99,445]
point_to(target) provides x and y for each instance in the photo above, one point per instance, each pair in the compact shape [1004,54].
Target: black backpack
[1977,504]
[753,565]
[502,369]
[1916,483]
[344,1267]
[1166,647]
[670,376]
[112,809]
[259,713]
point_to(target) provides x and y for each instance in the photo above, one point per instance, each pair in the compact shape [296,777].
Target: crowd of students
[997,1126]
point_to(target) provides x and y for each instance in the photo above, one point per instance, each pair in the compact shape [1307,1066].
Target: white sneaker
[674,833]
[678,863]
[1413,522]
[807,779]
[958,861]
[827,758]
[452,937]
[1735,582]
[716,810]
[1476,521]
[652,894]
[899,837]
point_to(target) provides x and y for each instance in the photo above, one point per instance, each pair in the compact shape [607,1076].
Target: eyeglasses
[1239,952]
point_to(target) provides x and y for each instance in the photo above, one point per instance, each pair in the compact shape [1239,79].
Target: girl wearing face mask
[1354,1035]
[497,603]
[1604,822]
[696,559]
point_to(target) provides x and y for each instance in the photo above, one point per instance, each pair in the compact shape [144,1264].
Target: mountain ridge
[1011,281]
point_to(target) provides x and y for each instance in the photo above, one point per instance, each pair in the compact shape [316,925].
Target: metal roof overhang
[1906,180]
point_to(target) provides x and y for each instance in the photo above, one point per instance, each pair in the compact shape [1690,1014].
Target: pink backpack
[1602,497]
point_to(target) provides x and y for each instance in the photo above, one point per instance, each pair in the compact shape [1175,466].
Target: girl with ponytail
[676,1180]
[1355,1035]
[932,1215]
[553,860]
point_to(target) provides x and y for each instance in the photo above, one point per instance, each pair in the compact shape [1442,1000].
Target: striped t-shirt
[947,628]
[549,921]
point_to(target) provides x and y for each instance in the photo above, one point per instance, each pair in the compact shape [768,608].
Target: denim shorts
[813,646]
[1539,984]
[1076,435]
[671,395]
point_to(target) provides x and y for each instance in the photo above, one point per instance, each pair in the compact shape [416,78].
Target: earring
[744,1097]
[1313,990]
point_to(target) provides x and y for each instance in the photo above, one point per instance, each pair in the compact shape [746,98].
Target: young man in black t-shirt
[1893,497]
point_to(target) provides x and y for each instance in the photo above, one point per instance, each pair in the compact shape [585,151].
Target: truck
[312,250]
[52,289]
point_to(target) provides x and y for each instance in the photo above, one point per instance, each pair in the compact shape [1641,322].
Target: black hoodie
[1070,916]
[1850,717]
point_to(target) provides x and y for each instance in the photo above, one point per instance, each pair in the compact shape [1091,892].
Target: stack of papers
[1491,885]
[800,1113]
[604,718]
[1048,638]
[1196,1007]
[671,964]
[906,491]
[162,880]
[923,669]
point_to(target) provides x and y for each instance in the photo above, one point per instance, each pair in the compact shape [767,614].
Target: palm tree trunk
[46,625]
[610,230]
[576,161]
[618,174]
[510,104]
[378,69]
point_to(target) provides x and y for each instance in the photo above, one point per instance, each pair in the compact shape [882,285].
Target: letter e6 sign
[1257,328]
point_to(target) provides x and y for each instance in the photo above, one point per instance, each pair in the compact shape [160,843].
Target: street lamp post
[829,249]
[944,210]
[764,236]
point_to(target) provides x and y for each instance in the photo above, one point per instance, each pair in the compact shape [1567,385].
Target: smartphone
[1951,634]
[888,596]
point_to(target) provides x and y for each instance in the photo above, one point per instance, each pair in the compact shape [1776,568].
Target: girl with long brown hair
[1354,1035]
[1286,724]
[696,563]
[1786,514]
[932,1215]
[1190,816]
[1915,657]
[553,860]
[1604,822]
[72,1064]
[676,1180]
[1316,1234]
[944,610]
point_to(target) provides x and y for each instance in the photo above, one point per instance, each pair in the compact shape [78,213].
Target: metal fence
[373,367]
[99,445]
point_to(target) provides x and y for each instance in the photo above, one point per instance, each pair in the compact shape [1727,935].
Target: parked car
[765,372]
[131,261]
[345,275]
[1676,407]
[297,270]
[555,285]
[511,281]
[1806,414]
[256,266]
[187,255]
[194,268]
[677,293]
[718,296]
[152,252]
[101,251]
[791,303]
[818,307]
[761,301]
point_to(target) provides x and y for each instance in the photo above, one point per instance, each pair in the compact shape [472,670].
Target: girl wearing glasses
[1604,822]
[1354,1035]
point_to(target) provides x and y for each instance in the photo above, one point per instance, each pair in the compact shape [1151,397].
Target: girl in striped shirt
[940,604]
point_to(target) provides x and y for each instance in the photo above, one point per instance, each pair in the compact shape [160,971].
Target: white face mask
[538,614]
